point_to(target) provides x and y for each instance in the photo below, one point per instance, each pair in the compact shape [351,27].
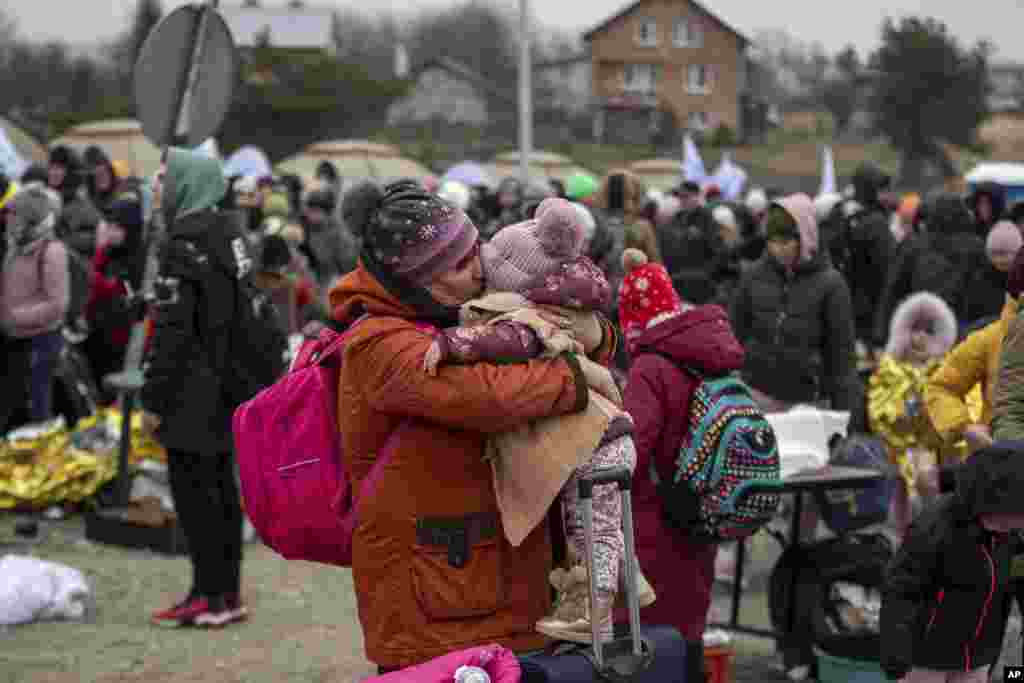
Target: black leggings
[210,513]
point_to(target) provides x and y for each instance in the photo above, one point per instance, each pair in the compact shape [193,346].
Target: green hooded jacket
[193,182]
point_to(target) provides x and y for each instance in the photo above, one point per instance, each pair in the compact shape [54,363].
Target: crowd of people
[484,310]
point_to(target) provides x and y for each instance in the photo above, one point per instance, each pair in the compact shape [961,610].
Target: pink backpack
[500,664]
[297,489]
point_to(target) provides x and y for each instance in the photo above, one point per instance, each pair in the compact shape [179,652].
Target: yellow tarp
[57,465]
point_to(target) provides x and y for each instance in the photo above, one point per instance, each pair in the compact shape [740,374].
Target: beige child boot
[570,618]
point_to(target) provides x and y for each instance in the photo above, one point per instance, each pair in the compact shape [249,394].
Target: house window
[647,32]
[687,33]
[698,79]
[641,78]
[697,120]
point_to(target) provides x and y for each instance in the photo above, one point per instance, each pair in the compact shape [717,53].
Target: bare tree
[479,35]
[125,50]
[367,40]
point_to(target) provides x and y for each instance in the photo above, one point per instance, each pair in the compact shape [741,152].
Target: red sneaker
[182,614]
[215,615]
[238,611]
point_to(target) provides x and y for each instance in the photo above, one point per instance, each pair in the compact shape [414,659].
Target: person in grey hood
[185,398]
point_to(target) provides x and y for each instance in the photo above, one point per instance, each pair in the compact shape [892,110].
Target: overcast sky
[832,22]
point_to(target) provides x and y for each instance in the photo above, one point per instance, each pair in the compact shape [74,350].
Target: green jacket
[1008,392]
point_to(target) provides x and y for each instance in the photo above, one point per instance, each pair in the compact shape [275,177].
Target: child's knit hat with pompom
[521,253]
[646,296]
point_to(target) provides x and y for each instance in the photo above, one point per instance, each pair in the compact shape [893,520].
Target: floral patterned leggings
[609,546]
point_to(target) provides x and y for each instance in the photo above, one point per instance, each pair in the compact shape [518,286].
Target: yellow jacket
[975,361]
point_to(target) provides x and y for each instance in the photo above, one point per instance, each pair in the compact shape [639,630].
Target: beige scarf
[531,464]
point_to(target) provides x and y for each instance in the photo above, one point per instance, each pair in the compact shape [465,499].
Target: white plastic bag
[803,434]
[35,590]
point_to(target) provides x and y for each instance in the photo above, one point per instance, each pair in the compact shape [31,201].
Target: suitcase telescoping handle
[623,478]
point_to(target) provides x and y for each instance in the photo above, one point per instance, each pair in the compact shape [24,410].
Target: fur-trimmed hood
[922,306]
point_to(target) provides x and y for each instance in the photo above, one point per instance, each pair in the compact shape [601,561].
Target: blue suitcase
[652,654]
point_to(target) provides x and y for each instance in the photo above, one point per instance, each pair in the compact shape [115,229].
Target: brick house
[657,58]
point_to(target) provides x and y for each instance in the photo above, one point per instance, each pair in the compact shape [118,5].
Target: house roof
[300,27]
[632,7]
[464,73]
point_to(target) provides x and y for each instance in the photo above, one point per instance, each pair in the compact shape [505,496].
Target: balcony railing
[628,100]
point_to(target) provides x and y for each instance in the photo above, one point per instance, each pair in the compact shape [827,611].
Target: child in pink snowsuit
[539,262]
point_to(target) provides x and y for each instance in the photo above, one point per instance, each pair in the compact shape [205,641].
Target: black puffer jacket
[191,338]
[985,294]
[946,599]
[798,332]
[693,252]
[942,261]
[861,245]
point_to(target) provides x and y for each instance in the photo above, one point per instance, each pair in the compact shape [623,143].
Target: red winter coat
[658,398]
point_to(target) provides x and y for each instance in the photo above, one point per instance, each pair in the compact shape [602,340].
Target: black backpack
[831,616]
[257,338]
[257,355]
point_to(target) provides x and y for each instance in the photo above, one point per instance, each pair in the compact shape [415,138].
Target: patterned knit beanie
[521,253]
[646,296]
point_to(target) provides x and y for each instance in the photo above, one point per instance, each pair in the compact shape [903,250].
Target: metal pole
[525,93]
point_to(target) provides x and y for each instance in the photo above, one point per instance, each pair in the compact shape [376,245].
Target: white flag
[693,166]
[828,172]
[730,178]
[11,163]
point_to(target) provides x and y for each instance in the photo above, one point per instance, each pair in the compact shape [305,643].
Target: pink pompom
[559,229]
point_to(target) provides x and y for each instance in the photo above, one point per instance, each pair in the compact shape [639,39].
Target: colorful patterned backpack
[728,465]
